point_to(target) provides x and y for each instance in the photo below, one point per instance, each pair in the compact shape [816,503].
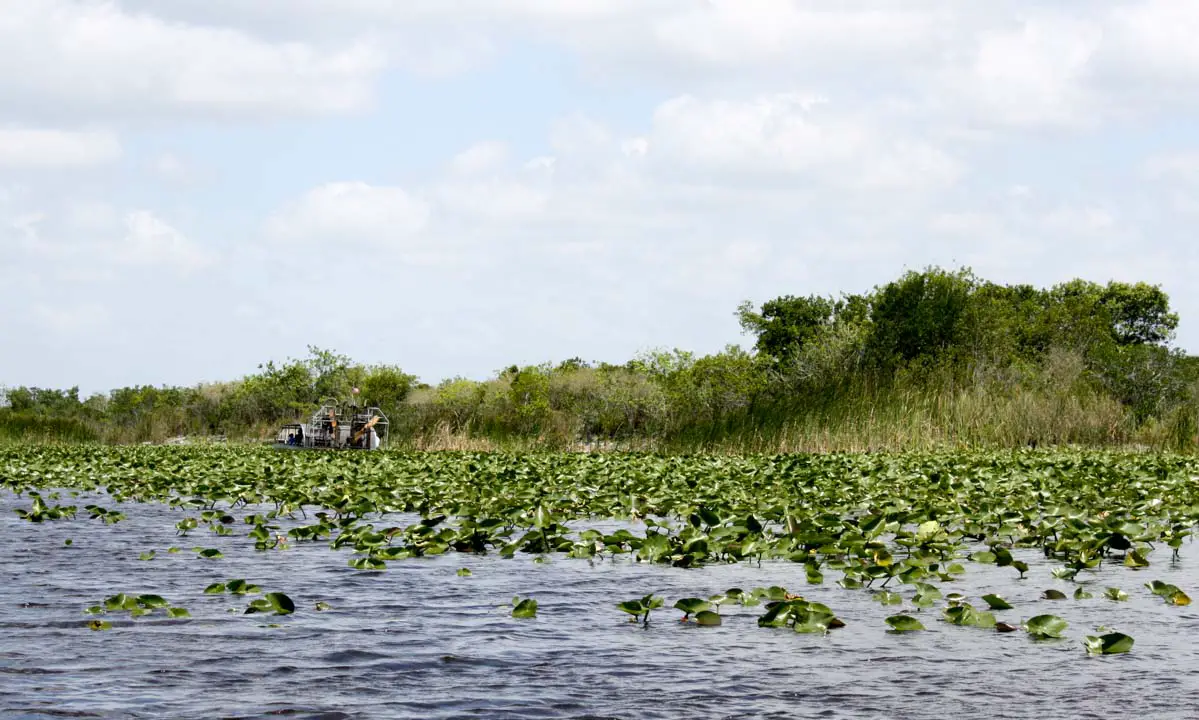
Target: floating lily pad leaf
[120,601]
[147,555]
[966,614]
[813,574]
[281,603]
[707,618]
[215,589]
[774,592]
[996,602]
[985,557]
[1172,594]
[923,601]
[1157,587]
[850,583]
[1116,594]
[99,625]
[1052,594]
[904,623]
[932,592]
[1080,594]
[928,531]
[95,610]
[526,608]
[178,612]
[464,572]
[211,554]
[887,597]
[322,606]
[1134,559]
[241,587]
[152,601]
[68,542]
[1109,644]
[172,550]
[367,563]
[689,606]
[260,605]
[1046,626]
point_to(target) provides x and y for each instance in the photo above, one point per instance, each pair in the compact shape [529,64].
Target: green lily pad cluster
[41,512]
[884,524]
[135,606]
[272,602]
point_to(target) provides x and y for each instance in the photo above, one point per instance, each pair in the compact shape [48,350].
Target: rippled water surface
[418,641]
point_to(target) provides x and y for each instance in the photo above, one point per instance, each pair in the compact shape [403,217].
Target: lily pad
[1046,626]
[904,623]
[1109,644]
[996,602]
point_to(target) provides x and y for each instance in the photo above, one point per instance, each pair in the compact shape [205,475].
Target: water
[418,641]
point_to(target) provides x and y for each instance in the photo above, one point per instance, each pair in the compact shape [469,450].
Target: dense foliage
[933,358]
[902,527]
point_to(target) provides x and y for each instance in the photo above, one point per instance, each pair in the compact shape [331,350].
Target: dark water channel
[418,641]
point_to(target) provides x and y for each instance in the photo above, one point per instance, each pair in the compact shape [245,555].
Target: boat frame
[336,427]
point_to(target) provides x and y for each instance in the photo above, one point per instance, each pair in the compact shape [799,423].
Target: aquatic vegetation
[135,605]
[524,608]
[904,623]
[275,602]
[1045,627]
[1172,594]
[41,512]
[691,606]
[1108,644]
[641,607]
[899,527]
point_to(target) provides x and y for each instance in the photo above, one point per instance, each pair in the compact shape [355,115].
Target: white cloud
[88,241]
[351,213]
[149,240]
[1035,73]
[697,154]
[25,149]
[480,158]
[1157,38]
[796,136]
[61,55]
[749,33]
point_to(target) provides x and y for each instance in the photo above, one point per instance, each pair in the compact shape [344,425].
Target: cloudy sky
[191,187]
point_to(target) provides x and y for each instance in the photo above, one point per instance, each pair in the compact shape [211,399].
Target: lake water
[418,641]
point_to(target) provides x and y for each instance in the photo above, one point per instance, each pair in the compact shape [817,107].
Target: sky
[189,188]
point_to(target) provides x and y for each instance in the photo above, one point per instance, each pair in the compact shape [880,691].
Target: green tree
[1139,313]
[785,324]
[386,386]
[920,315]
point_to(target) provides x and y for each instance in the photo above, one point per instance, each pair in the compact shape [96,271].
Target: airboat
[335,427]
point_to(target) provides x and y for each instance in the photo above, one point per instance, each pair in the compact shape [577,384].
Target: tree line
[934,357]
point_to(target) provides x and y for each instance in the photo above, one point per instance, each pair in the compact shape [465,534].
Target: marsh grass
[1054,406]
